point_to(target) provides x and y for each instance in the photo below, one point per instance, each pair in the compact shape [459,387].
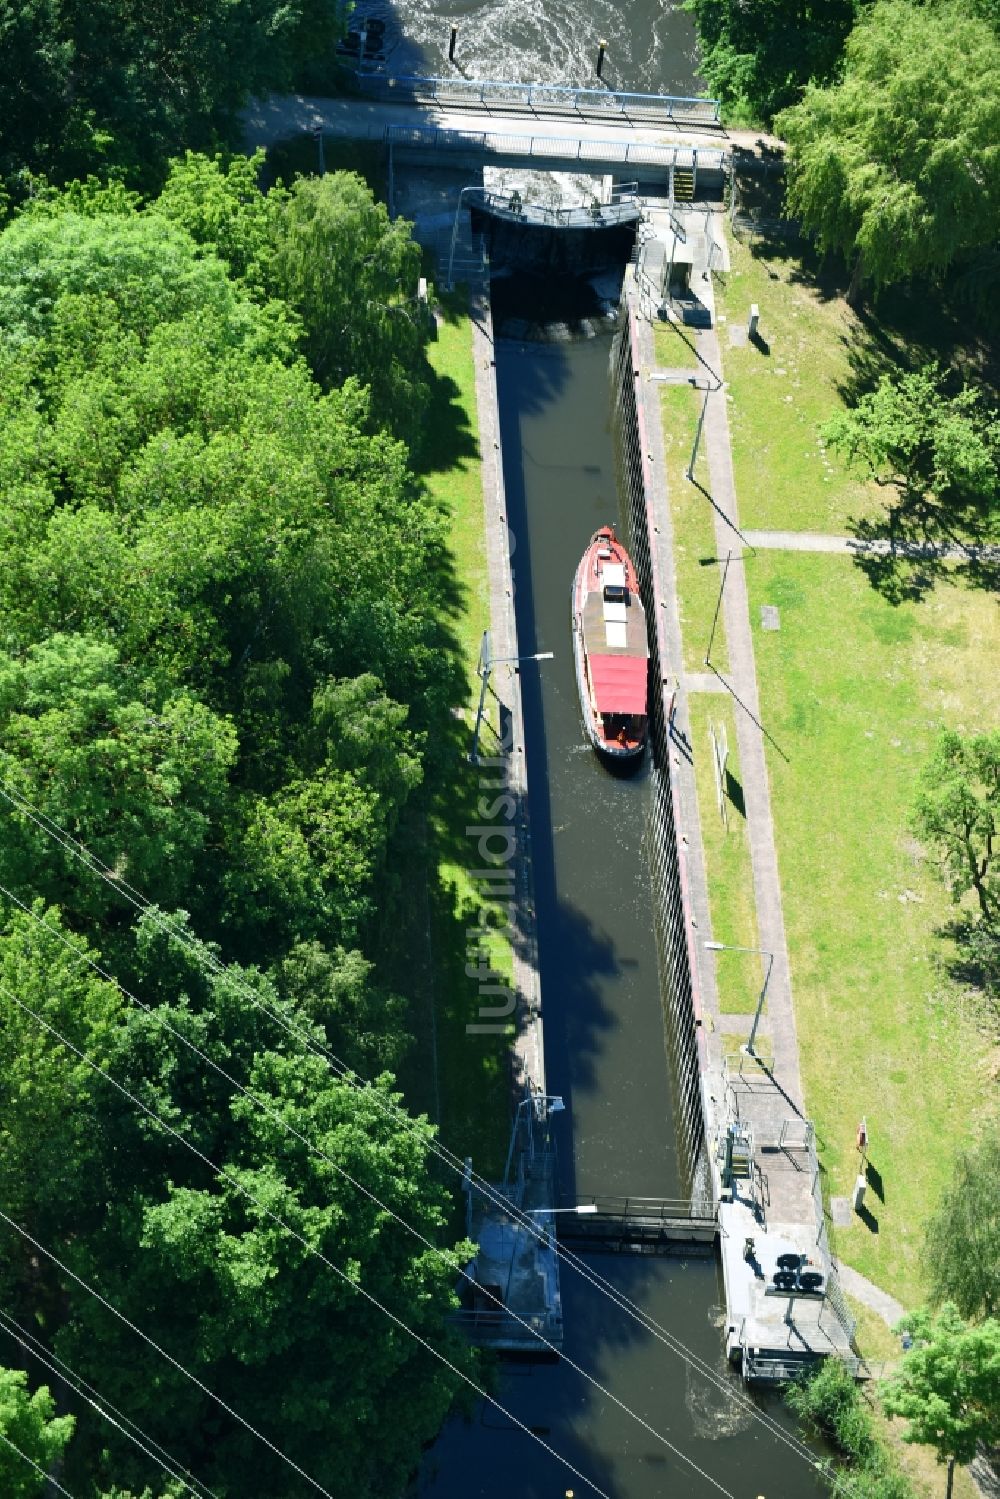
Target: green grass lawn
[462,1080]
[727,857]
[785,478]
[695,560]
[854,691]
[451,467]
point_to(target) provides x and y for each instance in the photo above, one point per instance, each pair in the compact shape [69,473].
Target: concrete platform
[519,1309]
[778,1209]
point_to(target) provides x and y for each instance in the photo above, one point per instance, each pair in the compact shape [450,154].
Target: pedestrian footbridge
[638,1225]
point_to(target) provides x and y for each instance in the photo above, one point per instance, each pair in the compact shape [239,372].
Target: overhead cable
[103,1407]
[206,958]
[262,1207]
[449,1259]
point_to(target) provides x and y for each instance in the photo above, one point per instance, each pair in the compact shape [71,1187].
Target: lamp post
[542,1106]
[486,665]
[764,953]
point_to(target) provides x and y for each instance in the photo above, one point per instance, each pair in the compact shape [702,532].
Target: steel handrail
[602,100]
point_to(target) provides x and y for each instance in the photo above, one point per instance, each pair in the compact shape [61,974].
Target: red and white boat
[611,648]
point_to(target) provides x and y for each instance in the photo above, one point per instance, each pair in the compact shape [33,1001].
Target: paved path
[815,541]
[529,1051]
[742,678]
[857,1285]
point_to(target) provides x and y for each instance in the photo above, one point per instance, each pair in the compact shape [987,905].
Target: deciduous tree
[330,251]
[895,167]
[947,1388]
[963,1236]
[957,813]
[109,84]
[756,58]
[29,1423]
[936,453]
[351,274]
[137,778]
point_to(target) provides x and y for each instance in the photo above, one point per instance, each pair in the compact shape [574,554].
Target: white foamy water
[651,44]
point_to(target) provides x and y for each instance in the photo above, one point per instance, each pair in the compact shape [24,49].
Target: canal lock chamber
[620,1040]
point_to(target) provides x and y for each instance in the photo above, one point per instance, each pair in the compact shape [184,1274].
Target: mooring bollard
[601,49]
[452,43]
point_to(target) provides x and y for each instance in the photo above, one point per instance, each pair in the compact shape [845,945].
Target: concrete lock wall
[665,851]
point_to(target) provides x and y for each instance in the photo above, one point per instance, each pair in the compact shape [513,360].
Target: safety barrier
[509,143]
[623,209]
[540,98]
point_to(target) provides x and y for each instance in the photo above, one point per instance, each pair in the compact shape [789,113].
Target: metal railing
[625,211]
[796,1134]
[650,1209]
[497,1320]
[500,143]
[540,98]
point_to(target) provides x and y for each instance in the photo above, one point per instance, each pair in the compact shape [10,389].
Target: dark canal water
[604,1036]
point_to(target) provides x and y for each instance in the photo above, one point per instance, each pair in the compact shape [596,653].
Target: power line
[102,1406]
[82,854]
[47,1477]
[244,1191]
[450,1259]
[206,957]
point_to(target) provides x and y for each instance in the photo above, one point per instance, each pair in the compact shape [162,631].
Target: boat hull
[616,735]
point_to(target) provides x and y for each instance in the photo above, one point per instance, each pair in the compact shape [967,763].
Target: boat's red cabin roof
[619,683]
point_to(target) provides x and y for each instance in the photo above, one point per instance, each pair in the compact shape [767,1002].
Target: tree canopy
[957,816]
[328,250]
[28,1423]
[227,670]
[933,449]
[756,58]
[88,87]
[895,166]
[963,1237]
[957,813]
[947,1387]
[199,1260]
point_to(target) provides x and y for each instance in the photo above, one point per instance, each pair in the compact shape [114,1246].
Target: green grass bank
[854,689]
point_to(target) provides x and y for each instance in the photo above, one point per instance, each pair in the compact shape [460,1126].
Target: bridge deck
[639,1225]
